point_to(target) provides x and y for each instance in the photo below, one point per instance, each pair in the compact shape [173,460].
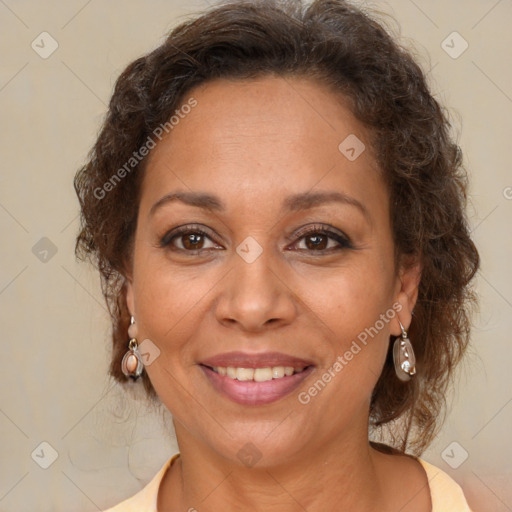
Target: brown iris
[316,241]
[193,241]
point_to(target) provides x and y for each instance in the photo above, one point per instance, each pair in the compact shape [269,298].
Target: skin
[252,144]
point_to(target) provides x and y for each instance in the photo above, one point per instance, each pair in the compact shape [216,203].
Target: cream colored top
[446,494]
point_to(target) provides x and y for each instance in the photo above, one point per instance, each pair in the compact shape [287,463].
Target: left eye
[317,240]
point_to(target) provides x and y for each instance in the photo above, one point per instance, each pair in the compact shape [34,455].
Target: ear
[408,281]
[130,299]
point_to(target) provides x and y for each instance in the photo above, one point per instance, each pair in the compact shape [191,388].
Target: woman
[276,209]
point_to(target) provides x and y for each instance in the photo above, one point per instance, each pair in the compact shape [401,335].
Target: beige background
[55,344]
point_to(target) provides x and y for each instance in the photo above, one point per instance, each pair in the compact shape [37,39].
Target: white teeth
[244,373]
[262,374]
[278,372]
[257,374]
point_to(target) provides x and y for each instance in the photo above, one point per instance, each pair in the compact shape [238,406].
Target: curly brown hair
[350,52]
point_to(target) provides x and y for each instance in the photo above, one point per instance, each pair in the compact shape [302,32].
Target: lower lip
[255,393]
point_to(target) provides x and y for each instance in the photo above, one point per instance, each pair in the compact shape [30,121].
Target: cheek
[166,299]
[350,299]
[357,306]
[358,317]
[168,305]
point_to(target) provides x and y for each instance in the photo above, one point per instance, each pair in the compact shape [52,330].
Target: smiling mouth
[256,386]
[257,374]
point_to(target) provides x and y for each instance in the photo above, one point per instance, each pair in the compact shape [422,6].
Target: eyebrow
[307,200]
[198,199]
[294,203]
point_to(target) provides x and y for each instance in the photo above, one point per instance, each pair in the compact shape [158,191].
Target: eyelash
[325,230]
[319,229]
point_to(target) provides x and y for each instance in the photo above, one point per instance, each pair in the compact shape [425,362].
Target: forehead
[263,138]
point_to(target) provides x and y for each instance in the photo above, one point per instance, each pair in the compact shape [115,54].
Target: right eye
[191,239]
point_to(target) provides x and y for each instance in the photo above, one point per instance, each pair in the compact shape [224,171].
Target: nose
[253,296]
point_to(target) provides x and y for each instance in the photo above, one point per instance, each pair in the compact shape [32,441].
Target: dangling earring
[403,356]
[131,364]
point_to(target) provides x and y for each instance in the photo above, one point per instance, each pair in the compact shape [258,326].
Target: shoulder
[445,493]
[146,499]
[419,484]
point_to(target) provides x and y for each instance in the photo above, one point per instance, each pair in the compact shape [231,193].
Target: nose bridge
[255,279]
[253,293]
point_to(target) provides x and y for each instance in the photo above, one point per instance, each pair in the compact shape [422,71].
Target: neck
[341,476]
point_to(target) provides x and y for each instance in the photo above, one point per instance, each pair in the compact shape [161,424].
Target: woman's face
[285,261]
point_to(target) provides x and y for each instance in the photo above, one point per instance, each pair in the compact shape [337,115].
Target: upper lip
[257,360]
